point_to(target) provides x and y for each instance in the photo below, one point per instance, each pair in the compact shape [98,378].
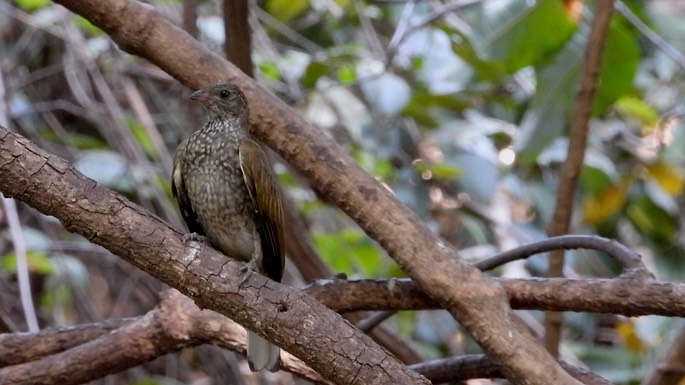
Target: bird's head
[221,100]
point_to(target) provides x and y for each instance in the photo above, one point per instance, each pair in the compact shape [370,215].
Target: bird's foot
[194,237]
[246,269]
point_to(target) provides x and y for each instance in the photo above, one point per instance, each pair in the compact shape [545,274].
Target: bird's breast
[218,194]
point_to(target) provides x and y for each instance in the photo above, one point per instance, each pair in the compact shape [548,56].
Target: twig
[627,257]
[462,368]
[570,170]
[373,320]
[657,40]
[22,264]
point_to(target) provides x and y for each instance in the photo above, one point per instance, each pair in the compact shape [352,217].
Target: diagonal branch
[476,302]
[279,312]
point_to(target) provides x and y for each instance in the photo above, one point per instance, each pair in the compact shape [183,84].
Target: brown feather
[266,198]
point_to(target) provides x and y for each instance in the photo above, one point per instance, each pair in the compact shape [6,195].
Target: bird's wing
[266,199]
[178,188]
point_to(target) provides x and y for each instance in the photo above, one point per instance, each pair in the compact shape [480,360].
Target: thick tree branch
[477,303]
[333,347]
[174,324]
[647,297]
[624,295]
[24,347]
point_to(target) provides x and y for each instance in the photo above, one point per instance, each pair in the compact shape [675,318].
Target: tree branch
[175,323]
[466,367]
[476,302]
[570,170]
[647,297]
[334,348]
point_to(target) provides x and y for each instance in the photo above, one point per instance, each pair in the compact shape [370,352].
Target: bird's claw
[194,237]
[246,269]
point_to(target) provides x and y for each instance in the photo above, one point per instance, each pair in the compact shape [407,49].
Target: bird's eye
[224,94]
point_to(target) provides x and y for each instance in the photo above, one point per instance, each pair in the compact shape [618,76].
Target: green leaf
[87,26]
[143,138]
[522,35]
[32,5]
[315,70]
[547,115]
[347,74]
[350,251]
[637,108]
[651,219]
[37,262]
[286,10]
[437,170]
[619,65]
[463,47]
[269,70]
[422,101]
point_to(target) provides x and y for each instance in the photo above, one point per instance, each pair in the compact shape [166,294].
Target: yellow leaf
[598,208]
[670,178]
[626,330]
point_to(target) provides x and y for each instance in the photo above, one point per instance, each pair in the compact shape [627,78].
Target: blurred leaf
[594,180]
[347,74]
[351,252]
[669,177]
[554,99]
[422,104]
[286,10]
[651,219]
[484,68]
[144,141]
[546,116]
[524,33]
[87,26]
[437,171]
[269,70]
[626,329]
[314,71]
[371,163]
[38,262]
[619,64]
[32,5]
[59,295]
[600,207]
[637,109]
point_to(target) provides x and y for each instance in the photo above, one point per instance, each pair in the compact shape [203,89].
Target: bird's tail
[262,354]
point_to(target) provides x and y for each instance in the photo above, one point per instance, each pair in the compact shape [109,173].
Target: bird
[227,194]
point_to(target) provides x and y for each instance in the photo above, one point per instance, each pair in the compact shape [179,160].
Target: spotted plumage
[226,191]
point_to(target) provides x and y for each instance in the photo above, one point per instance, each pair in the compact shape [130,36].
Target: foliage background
[460,107]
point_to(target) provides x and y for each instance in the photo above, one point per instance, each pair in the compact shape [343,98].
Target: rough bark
[291,319]
[479,304]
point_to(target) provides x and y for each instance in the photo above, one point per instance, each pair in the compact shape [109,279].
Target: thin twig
[568,178]
[461,368]
[22,264]
[627,257]
[644,29]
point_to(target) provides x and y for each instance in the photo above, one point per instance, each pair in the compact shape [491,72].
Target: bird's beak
[200,96]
